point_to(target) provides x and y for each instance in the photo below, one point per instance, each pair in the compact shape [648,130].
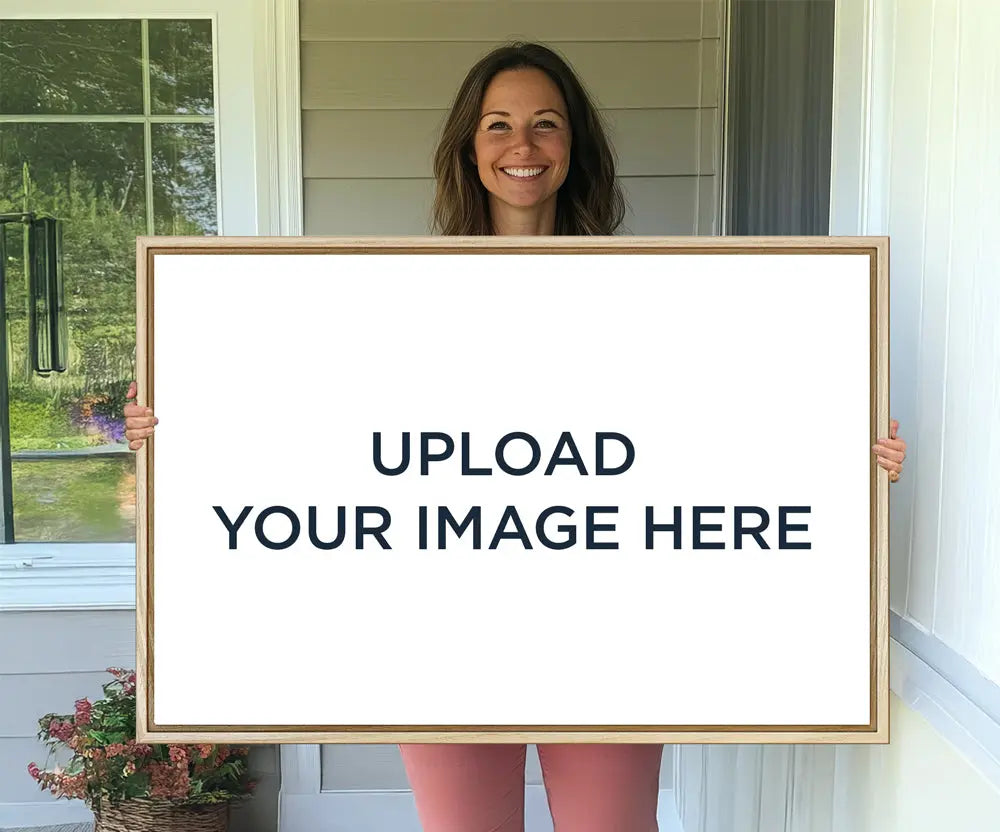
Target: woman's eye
[496,124]
[548,125]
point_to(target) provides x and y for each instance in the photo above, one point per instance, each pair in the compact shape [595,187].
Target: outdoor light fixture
[47,334]
[47,330]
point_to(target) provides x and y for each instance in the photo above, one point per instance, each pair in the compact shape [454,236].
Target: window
[109,126]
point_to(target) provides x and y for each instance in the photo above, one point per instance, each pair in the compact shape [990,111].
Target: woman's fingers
[139,420]
[892,453]
[889,465]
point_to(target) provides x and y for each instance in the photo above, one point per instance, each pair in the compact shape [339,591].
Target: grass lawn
[75,500]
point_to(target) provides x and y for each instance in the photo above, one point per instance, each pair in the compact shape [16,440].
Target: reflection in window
[180,66]
[142,168]
[84,67]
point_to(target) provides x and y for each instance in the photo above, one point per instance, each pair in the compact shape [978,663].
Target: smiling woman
[524,151]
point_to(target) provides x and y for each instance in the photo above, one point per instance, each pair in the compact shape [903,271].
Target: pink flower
[34,771]
[129,768]
[61,730]
[83,709]
[166,780]
[178,755]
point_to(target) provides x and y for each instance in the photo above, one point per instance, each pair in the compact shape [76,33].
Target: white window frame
[259,181]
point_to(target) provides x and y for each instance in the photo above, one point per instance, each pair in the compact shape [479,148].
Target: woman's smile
[525,174]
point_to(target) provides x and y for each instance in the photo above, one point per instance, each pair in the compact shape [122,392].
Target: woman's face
[522,141]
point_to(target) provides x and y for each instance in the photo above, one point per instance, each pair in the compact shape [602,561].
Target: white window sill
[67,576]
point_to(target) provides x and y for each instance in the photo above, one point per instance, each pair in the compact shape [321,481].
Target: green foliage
[108,766]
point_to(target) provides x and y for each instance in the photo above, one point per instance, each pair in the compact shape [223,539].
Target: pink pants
[596,787]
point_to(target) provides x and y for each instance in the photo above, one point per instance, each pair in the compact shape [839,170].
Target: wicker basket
[143,815]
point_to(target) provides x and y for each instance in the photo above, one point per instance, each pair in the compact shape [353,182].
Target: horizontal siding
[356,144]
[425,75]
[665,205]
[26,697]
[711,19]
[66,642]
[16,785]
[48,660]
[337,207]
[497,20]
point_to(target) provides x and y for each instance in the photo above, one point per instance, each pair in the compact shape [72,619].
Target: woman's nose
[523,139]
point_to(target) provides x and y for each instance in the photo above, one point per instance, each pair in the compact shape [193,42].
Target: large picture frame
[679,533]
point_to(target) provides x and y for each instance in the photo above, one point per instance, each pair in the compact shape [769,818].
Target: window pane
[75,500]
[180,66]
[92,176]
[184,179]
[71,66]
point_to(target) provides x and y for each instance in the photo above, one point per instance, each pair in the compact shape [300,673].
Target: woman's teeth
[523,173]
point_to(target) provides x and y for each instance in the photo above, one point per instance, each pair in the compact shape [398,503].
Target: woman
[523,153]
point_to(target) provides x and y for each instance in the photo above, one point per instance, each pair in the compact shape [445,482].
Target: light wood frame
[877,248]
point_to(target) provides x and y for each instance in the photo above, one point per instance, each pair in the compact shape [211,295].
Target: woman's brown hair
[590,201]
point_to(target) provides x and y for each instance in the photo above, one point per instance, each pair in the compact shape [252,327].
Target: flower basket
[146,815]
[136,787]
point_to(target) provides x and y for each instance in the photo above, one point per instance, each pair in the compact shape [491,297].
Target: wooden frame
[875,731]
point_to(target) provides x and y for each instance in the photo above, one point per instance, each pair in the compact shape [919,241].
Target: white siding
[378,77]
[935,180]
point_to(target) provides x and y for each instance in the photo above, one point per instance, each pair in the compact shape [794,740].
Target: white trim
[301,769]
[850,163]
[972,732]
[288,121]
[724,161]
[65,576]
[277,120]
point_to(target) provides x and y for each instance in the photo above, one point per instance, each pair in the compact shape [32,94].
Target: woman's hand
[890,453]
[139,421]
